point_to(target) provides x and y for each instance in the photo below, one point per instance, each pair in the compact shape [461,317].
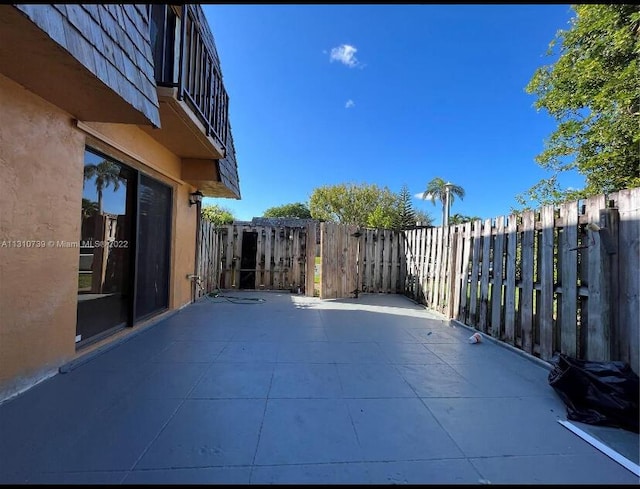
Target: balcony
[193,101]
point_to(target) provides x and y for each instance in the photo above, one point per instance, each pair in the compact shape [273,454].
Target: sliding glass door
[153,247]
[125,242]
[104,276]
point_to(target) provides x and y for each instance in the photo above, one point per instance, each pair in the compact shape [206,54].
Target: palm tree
[106,173]
[438,189]
[461,219]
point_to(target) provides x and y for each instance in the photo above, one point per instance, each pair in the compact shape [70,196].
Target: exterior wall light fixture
[195,198]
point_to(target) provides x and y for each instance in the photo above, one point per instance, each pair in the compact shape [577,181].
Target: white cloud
[345,54]
[350,103]
[419,196]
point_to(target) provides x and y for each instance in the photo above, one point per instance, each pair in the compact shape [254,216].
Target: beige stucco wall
[41,177]
[41,159]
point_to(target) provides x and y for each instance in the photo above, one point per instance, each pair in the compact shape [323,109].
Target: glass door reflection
[104,291]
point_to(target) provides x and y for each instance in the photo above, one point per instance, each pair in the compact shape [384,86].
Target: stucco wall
[41,159]
[41,177]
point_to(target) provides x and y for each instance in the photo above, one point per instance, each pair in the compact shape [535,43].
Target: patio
[292,389]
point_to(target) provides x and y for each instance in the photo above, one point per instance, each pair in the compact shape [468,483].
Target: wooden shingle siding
[228,168]
[50,20]
[141,20]
[111,41]
[92,10]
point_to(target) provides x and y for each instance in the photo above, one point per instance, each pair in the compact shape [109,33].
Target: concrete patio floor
[298,390]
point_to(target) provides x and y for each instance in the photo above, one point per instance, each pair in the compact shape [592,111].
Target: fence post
[599,306]
[609,222]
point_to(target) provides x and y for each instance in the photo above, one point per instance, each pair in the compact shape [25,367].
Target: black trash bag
[599,393]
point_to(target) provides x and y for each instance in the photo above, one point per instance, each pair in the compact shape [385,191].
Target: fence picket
[484,275]
[473,289]
[598,304]
[510,285]
[545,309]
[526,291]
[498,270]
[457,273]
[464,273]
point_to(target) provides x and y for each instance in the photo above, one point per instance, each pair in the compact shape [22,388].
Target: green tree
[360,205]
[406,217]
[593,92]
[382,217]
[218,215]
[437,190]
[106,173]
[297,209]
[424,218]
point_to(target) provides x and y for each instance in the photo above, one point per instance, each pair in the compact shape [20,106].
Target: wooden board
[378,237]
[598,325]
[463,313]
[458,273]
[386,261]
[484,276]
[568,254]
[629,277]
[430,258]
[395,246]
[526,301]
[510,282]
[498,271]
[475,266]
[268,257]
[545,267]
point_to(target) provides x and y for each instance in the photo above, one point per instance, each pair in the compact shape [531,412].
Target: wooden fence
[209,258]
[245,256]
[558,279]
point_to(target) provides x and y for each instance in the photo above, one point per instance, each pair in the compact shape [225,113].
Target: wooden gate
[362,260]
[339,254]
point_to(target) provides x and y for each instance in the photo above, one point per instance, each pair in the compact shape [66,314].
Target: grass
[316,277]
[84,281]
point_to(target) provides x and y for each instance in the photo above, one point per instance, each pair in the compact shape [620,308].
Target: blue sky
[386,95]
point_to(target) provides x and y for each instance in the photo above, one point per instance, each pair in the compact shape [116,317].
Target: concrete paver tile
[305,431]
[399,429]
[206,433]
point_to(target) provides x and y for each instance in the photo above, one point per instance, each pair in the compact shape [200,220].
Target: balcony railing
[185,57]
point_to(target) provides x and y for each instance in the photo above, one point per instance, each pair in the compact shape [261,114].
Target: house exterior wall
[74,77]
[41,162]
